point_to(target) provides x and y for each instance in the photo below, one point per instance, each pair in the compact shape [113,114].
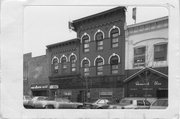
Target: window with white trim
[114,37]
[99,41]
[73,63]
[99,66]
[114,64]
[86,68]
[139,56]
[64,65]
[160,52]
[85,41]
[55,65]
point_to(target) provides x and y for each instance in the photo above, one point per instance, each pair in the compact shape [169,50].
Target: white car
[98,104]
[26,100]
[38,102]
[132,103]
[160,104]
[59,103]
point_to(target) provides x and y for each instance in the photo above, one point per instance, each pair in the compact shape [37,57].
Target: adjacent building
[147,59]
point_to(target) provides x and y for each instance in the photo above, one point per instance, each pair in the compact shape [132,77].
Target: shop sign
[67,93]
[156,83]
[141,84]
[39,87]
[105,93]
[53,87]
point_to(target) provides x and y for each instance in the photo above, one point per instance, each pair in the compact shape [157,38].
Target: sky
[45,25]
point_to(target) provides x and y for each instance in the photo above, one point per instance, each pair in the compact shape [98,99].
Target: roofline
[59,43]
[99,14]
[148,22]
[127,79]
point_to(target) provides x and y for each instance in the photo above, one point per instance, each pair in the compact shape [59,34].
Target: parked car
[38,102]
[62,103]
[98,104]
[59,103]
[26,100]
[132,103]
[160,104]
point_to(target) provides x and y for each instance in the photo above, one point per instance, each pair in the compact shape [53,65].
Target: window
[139,56]
[73,63]
[86,67]
[99,66]
[55,65]
[140,103]
[160,52]
[64,65]
[99,41]
[114,37]
[85,41]
[114,65]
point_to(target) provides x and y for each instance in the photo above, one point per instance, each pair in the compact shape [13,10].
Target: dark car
[160,104]
[98,104]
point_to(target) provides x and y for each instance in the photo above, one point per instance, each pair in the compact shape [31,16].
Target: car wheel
[79,107]
[99,108]
[49,107]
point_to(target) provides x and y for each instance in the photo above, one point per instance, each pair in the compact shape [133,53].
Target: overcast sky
[45,25]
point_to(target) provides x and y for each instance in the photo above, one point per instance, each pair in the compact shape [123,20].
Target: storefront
[40,90]
[147,82]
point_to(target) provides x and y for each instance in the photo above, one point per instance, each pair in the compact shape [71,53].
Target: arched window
[86,68]
[73,63]
[64,65]
[114,37]
[99,66]
[114,64]
[99,41]
[55,65]
[85,41]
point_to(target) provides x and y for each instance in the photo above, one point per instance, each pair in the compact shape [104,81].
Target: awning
[143,70]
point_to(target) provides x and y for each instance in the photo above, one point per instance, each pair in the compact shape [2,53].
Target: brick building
[35,75]
[94,63]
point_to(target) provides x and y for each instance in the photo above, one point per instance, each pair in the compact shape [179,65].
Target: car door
[140,104]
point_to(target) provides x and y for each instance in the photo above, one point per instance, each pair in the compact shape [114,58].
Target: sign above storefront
[53,87]
[39,87]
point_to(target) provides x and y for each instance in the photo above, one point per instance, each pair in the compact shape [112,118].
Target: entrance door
[162,93]
[81,96]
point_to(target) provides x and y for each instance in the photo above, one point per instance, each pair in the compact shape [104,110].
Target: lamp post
[86,88]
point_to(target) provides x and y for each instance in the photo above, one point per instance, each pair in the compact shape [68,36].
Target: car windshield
[62,100]
[160,103]
[40,98]
[126,102]
[27,98]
